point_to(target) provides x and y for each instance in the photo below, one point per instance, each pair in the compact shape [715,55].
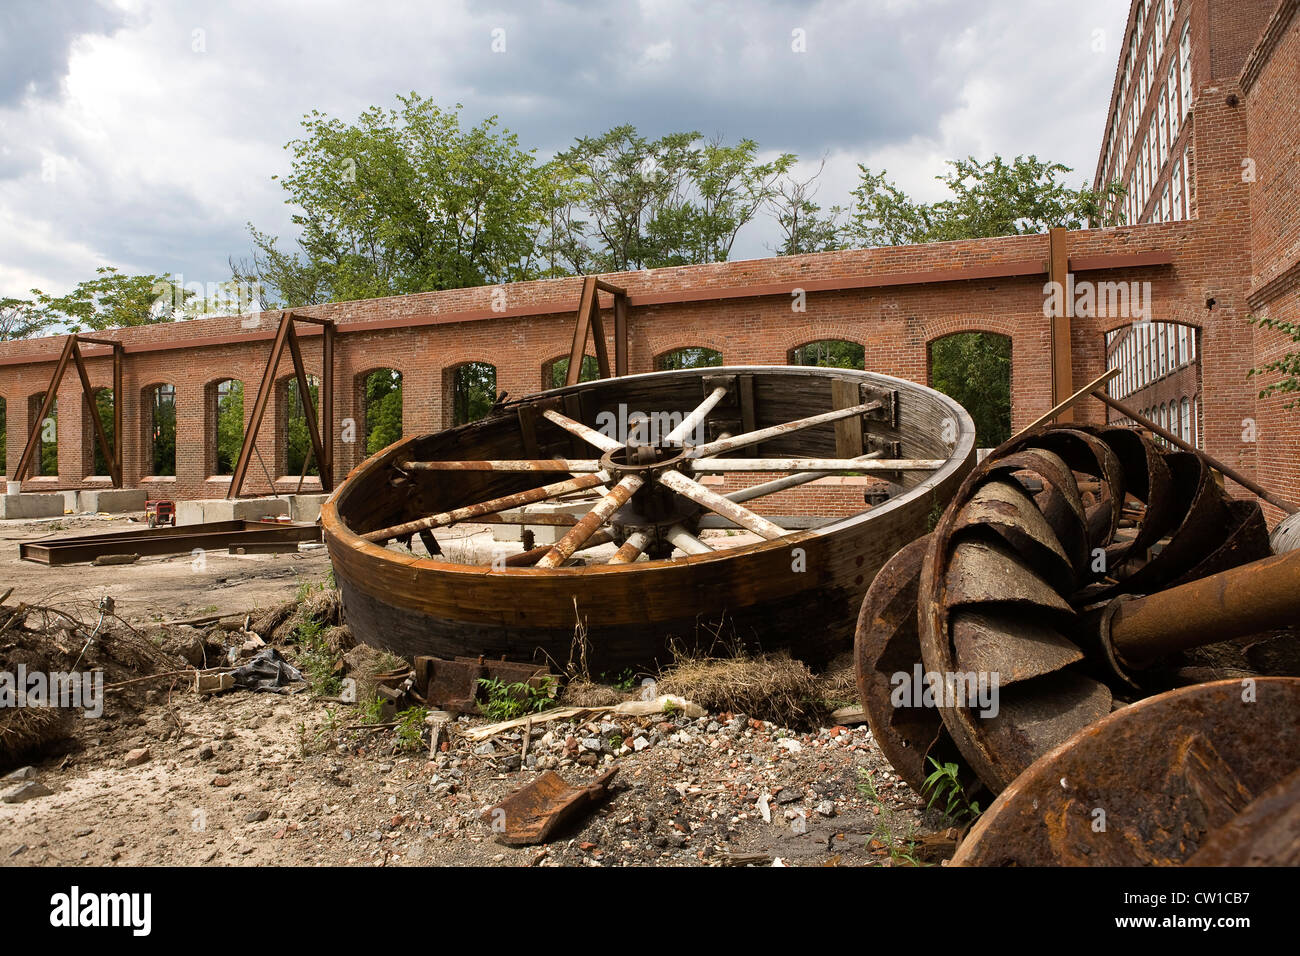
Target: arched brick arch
[790,350]
[789,339]
[549,365]
[146,397]
[449,384]
[695,342]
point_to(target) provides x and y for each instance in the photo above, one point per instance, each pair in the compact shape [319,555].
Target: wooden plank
[848,432]
[580,328]
[51,393]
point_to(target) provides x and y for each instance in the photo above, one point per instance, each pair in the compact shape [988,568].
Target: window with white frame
[1159,35]
[1162,130]
[1182,345]
[1185,432]
[1167,206]
[1188,181]
[1196,420]
[1162,360]
[1171,346]
[1185,55]
[1176,187]
[1171,93]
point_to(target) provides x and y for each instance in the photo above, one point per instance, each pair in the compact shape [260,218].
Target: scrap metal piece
[453,685]
[536,811]
[1182,777]
[210,536]
[1015,647]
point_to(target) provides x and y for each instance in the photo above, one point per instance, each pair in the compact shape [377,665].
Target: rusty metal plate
[980,572]
[1153,782]
[1014,647]
[1004,507]
[886,645]
[1266,833]
[533,813]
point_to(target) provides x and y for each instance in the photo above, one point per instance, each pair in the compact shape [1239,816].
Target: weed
[625,680]
[898,840]
[944,783]
[371,711]
[508,701]
[319,663]
[410,728]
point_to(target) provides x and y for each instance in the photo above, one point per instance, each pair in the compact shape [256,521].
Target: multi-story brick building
[1204,129]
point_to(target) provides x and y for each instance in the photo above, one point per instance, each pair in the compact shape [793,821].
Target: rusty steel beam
[210,536]
[1070,402]
[581,327]
[51,393]
[470,512]
[620,334]
[1058,271]
[1254,597]
[96,425]
[1252,486]
[308,410]
[259,408]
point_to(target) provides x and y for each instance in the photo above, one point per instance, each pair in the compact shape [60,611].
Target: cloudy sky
[144,134]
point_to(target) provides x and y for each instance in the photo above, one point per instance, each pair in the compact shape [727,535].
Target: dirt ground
[248,779]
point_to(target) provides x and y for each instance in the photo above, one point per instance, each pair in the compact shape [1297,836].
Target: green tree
[474,391]
[230,425]
[675,200]
[992,198]
[104,409]
[383,409]
[975,369]
[695,356]
[831,353]
[298,447]
[113,300]
[22,319]
[1287,367]
[404,200]
[804,228]
[559,371]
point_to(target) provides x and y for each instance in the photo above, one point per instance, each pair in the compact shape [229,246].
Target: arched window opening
[104,400]
[160,400]
[382,396]
[830,353]
[46,459]
[473,391]
[974,368]
[298,451]
[556,371]
[228,425]
[693,356]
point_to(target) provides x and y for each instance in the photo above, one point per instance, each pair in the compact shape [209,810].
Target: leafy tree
[230,425]
[104,409]
[975,369]
[163,434]
[690,357]
[672,201]
[474,390]
[803,227]
[383,409]
[559,371]
[113,300]
[1287,367]
[831,353]
[404,200]
[992,198]
[299,448]
[22,319]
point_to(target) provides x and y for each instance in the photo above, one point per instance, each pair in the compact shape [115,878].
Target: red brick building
[1232,250]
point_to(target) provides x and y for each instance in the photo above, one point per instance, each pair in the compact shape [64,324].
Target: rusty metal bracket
[322,447]
[588,323]
[72,353]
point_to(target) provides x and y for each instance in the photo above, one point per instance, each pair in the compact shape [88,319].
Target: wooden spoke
[570,465]
[824,465]
[683,540]
[492,506]
[563,549]
[589,435]
[631,549]
[526,559]
[789,481]
[692,421]
[776,431]
[715,502]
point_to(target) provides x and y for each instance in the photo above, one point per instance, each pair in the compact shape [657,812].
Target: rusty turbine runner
[631,564]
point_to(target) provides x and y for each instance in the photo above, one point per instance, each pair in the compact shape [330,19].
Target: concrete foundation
[112,501]
[305,509]
[204,510]
[542,533]
[33,506]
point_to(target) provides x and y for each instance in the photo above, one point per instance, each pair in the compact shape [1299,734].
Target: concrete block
[189,512]
[113,500]
[69,502]
[33,506]
[305,509]
[542,533]
[251,509]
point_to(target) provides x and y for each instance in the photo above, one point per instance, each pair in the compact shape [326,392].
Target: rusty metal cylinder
[1255,597]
